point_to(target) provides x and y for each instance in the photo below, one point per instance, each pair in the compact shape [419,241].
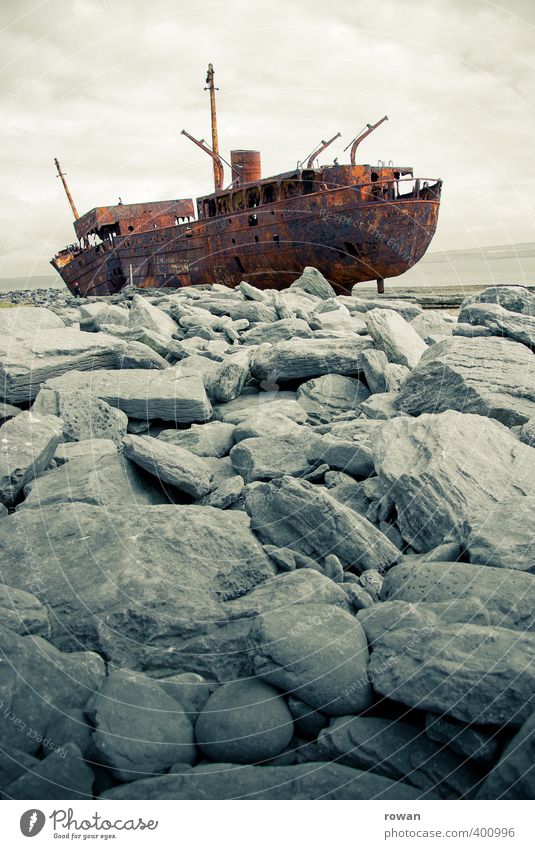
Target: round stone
[245,721]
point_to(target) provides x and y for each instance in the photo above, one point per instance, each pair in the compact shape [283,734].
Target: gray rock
[308,722]
[267,404]
[14,763]
[139,729]
[421,616]
[190,690]
[354,458]
[38,681]
[316,652]
[471,331]
[244,721]
[471,741]
[170,463]
[27,445]
[23,613]
[104,481]
[62,775]
[213,439]
[327,397]
[25,319]
[513,777]
[507,595]
[275,425]
[374,363]
[229,377]
[503,535]
[303,358]
[268,457]
[434,326]
[473,673]
[438,474]
[70,726]
[302,781]
[514,298]
[501,322]
[398,750]
[306,518]
[86,417]
[395,375]
[527,433]
[95,448]
[287,591]
[492,377]
[8,411]
[381,406]
[405,309]
[277,331]
[127,571]
[93,316]
[142,394]
[395,336]
[313,282]
[146,315]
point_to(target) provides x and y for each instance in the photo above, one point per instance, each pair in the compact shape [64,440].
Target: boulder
[213,439]
[8,411]
[316,652]
[503,535]
[145,315]
[304,358]
[145,587]
[352,457]
[527,432]
[140,393]
[38,682]
[477,674]
[301,781]
[275,425]
[513,777]
[169,463]
[395,336]
[276,331]
[229,377]
[381,406]
[93,316]
[268,403]
[95,448]
[190,690]
[307,519]
[140,730]
[62,775]
[374,363]
[313,282]
[395,375]
[327,397]
[473,742]
[501,322]
[398,750]
[434,326]
[491,377]
[437,471]
[360,304]
[515,298]
[507,595]
[28,320]
[268,457]
[87,417]
[27,445]
[393,615]
[22,612]
[14,763]
[245,721]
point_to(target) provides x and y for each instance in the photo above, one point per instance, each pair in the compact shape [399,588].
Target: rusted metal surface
[61,175]
[323,146]
[360,138]
[353,222]
[218,177]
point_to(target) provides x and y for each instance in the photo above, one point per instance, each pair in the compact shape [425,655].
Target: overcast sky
[107,85]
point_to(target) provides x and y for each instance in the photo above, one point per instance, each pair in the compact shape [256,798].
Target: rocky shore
[267,545]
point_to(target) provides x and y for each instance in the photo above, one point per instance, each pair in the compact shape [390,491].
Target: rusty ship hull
[350,239]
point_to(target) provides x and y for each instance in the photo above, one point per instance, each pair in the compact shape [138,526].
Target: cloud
[107,87]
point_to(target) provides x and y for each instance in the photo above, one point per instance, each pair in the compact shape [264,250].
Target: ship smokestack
[246,167]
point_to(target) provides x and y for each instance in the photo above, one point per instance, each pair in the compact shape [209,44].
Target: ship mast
[61,175]
[215,143]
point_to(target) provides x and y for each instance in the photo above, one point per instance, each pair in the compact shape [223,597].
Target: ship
[353,222]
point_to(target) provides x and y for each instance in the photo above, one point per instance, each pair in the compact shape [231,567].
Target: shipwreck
[353,222]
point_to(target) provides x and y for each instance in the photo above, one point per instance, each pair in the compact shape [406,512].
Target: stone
[32,358]
[513,777]
[473,742]
[128,570]
[252,311]
[394,615]
[268,457]
[27,445]
[93,316]
[395,375]
[140,730]
[515,298]
[288,590]
[38,682]
[23,613]
[471,331]
[227,485]
[229,377]
[501,322]
[301,781]
[437,472]
[394,335]
[381,406]
[313,282]
[190,690]
[87,417]
[434,325]
[327,397]
[405,309]
[275,425]
[142,394]
[95,448]
[71,726]
[245,721]
[507,595]
[268,404]
[527,433]
[477,674]
[354,458]
[146,315]
[104,481]
[14,763]
[374,363]
[62,775]
[298,359]
[308,722]
[213,439]
[503,535]
[8,411]
[306,518]
[316,652]
[490,377]
[398,750]
[276,331]
[170,463]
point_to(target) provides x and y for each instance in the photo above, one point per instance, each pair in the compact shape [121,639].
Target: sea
[483,266]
